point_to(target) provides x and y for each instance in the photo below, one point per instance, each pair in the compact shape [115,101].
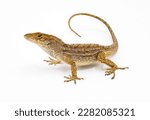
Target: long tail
[110,49]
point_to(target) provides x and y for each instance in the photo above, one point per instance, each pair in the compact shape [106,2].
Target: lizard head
[39,38]
[48,43]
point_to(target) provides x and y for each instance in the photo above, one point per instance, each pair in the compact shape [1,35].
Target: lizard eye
[39,35]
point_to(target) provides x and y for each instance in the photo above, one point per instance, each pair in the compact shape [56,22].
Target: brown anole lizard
[77,54]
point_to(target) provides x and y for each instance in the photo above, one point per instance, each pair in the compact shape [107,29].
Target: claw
[52,61]
[123,68]
[110,71]
[72,78]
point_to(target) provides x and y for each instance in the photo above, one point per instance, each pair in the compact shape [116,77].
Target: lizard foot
[52,61]
[112,70]
[72,78]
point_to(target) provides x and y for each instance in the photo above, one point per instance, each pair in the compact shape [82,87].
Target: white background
[28,82]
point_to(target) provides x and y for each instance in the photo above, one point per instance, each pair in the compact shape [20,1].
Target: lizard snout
[27,36]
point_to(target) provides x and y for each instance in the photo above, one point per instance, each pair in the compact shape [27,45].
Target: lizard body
[76,54]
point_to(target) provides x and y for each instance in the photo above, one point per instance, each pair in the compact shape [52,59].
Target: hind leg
[113,67]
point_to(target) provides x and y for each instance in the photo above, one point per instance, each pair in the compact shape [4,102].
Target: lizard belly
[83,63]
[84,60]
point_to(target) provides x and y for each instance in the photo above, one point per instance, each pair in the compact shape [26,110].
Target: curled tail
[110,49]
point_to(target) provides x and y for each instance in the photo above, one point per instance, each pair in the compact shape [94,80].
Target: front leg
[113,67]
[52,61]
[73,76]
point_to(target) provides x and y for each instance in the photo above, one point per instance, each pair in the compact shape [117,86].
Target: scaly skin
[76,54]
